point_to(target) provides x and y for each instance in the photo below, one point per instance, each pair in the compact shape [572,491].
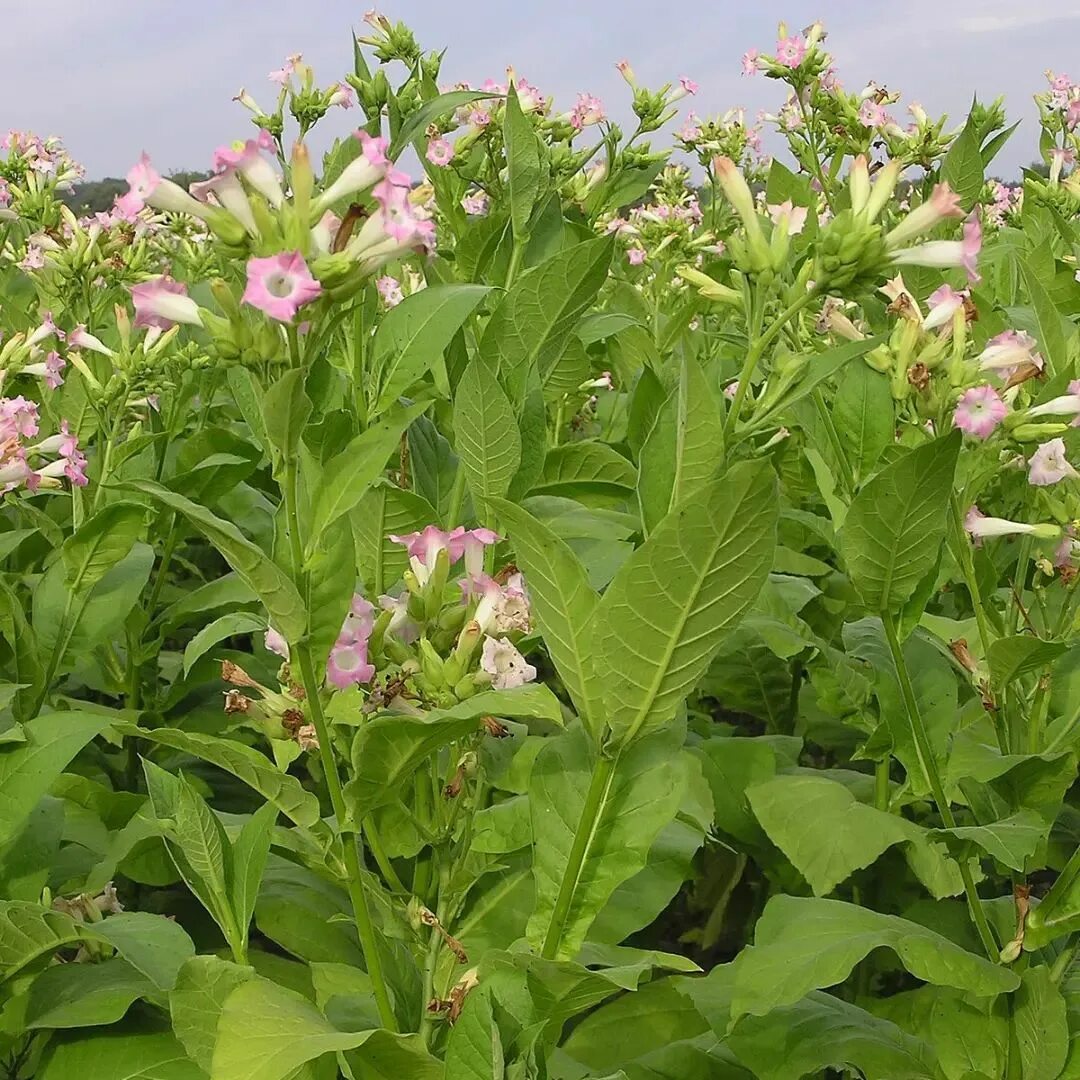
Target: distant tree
[97,196]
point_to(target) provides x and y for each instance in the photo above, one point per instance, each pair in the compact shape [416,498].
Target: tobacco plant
[509,601]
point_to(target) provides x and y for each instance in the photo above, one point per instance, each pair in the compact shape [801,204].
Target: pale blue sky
[114,77]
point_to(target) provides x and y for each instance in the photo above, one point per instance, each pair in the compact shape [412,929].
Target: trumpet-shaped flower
[364,171]
[1009,351]
[588,110]
[943,304]
[1048,464]
[872,115]
[163,303]
[980,527]
[750,62]
[946,253]
[424,547]
[794,216]
[225,188]
[791,50]
[280,285]
[505,665]
[943,203]
[502,609]
[390,290]
[80,338]
[979,411]
[476,204]
[247,158]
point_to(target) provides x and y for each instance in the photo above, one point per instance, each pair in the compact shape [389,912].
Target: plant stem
[925,753]
[754,354]
[386,868]
[515,263]
[365,929]
[603,774]
[881,785]
[1061,965]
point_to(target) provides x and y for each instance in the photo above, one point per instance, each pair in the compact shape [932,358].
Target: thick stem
[603,774]
[881,785]
[928,764]
[365,929]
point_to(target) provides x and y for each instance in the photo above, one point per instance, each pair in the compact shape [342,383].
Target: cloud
[993,24]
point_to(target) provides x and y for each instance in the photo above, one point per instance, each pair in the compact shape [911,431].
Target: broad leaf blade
[488,437]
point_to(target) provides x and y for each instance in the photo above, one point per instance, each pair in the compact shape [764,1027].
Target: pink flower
[943,203]
[795,216]
[80,338]
[143,180]
[1063,405]
[946,253]
[227,191]
[731,390]
[18,419]
[790,51]
[504,609]
[635,256]
[943,303]
[476,204]
[749,61]
[505,665]
[439,152]
[871,114]
[342,95]
[588,110]
[280,285]
[1048,464]
[5,194]
[348,664]
[424,547]
[282,75]
[390,290]
[247,159]
[1007,351]
[54,365]
[364,171]
[686,87]
[163,303]
[34,258]
[691,129]
[626,71]
[979,411]
[980,527]
[472,544]
[276,643]
[398,218]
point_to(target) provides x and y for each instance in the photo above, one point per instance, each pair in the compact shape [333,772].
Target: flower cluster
[35,465]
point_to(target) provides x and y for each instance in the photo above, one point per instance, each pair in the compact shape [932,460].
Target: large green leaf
[962,167]
[29,931]
[85,995]
[1011,841]
[388,749]
[563,604]
[245,763]
[522,164]
[577,470]
[268,581]
[1052,343]
[862,411]
[535,319]
[231,625]
[1011,657]
[118,1055]
[642,796]
[196,1001]
[432,110]
[683,448]
[667,611]
[827,834]
[286,409]
[893,532]
[823,1031]
[803,944]
[155,946]
[100,543]
[348,475]
[28,769]
[1040,1026]
[487,433]
[266,1032]
[410,336]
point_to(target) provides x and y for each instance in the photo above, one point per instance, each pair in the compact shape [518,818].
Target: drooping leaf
[85,995]
[268,581]
[666,613]
[29,931]
[231,625]
[896,524]
[118,1054]
[155,946]
[488,439]
[431,110]
[803,944]
[196,1001]
[1011,657]
[98,545]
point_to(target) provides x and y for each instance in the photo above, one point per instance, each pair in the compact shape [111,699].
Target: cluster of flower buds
[654,108]
[32,171]
[435,641]
[726,136]
[668,228]
[1059,115]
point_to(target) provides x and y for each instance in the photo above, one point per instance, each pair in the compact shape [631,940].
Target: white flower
[505,665]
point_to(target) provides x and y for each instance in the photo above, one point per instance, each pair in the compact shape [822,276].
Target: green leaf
[1052,343]
[1011,657]
[249,854]
[99,544]
[331,583]
[118,1055]
[803,944]
[523,164]
[862,411]
[962,168]
[152,944]
[828,835]
[28,769]
[578,470]
[474,1050]
[346,477]
[84,995]
[196,1001]
[1011,841]
[1040,1026]
[895,527]
[540,311]
[388,749]
[270,583]
[266,1032]
[822,1031]
[382,510]
[563,604]
[232,625]
[683,449]
[245,763]
[488,439]
[419,329]
[667,611]
[247,393]
[432,110]
[641,797]
[286,409]
[29,931]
